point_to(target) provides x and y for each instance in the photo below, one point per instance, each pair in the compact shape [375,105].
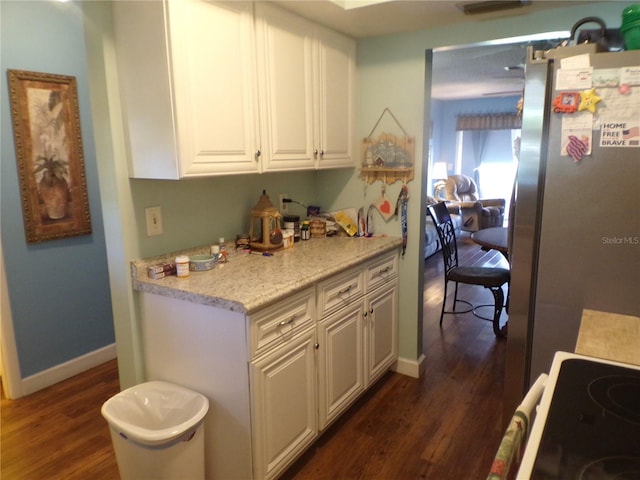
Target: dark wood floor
[445,426]
[58,433]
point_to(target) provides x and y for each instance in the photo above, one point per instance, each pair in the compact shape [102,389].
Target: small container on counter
[182,266]
[224,255]
[161,270]
[318,229]
[305,232]
[292,222]
[242,242]
[215,253]
[200,263]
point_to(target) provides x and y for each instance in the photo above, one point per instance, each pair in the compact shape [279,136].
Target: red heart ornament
[385,207]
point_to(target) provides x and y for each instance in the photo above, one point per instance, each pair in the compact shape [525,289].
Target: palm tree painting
[48,143]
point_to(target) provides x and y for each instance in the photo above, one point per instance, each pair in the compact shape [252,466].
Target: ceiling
[483,71]
[474,72]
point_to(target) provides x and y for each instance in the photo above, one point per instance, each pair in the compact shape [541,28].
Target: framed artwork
[48,142]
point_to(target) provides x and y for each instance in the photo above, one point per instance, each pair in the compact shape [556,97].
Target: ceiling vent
[490,6]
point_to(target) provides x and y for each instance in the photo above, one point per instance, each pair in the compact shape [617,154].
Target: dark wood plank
[58,432]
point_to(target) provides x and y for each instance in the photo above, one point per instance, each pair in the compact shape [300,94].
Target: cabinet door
[381,327]
[340,361]
[285,54]
[284,404]
[140,39]
[336,97]
[214,81]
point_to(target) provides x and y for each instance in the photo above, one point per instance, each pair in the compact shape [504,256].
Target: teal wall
[199,211]
[59,291]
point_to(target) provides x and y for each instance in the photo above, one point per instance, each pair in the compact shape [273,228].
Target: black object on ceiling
[489,6]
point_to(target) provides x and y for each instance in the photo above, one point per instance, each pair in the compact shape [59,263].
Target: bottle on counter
[182,266]
[224,254]
[305,233]
[215,253]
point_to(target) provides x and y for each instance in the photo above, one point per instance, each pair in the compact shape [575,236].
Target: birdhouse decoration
[264,227]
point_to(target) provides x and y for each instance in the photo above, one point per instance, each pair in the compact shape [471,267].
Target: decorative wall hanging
[48,142]
[388,157]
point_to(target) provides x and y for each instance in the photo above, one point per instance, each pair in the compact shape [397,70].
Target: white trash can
[157,431]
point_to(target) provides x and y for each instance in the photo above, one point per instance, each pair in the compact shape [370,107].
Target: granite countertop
[610,336]
[249,281]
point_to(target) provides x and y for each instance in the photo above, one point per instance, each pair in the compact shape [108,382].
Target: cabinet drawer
[278,323]
[382,269]
[339,291]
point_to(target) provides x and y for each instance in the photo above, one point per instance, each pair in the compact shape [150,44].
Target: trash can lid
[155,412]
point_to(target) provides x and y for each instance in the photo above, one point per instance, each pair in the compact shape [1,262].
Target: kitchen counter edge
[250,282]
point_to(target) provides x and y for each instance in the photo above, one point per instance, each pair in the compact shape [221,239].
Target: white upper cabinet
[209,89]
[285,45]
[307,92]
[212,48]
[336,99]
[187,76]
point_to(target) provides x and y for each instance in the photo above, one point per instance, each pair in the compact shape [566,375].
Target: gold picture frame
[48,142]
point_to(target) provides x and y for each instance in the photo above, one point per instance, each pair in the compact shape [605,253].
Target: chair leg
[444,300]
[506,306]
[455,297]
[498,296]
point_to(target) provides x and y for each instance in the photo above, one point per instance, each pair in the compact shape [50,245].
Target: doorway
[452,94]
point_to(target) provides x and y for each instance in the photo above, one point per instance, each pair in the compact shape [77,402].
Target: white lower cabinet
[278,377]
[284,399]
[357,336]
[340,361]
[381,327]
[284,404]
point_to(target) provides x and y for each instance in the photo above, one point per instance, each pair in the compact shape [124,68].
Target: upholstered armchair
[476,213]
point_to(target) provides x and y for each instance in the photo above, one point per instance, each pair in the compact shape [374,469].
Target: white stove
[587,425]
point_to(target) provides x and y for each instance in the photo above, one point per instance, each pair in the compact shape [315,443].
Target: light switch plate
[153,216]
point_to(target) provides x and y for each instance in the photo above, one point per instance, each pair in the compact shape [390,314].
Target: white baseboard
[411,368]
[66,370]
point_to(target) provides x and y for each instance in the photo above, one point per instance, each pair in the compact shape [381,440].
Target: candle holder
[264,227]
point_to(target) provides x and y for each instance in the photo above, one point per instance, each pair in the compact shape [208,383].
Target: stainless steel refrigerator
[576,223]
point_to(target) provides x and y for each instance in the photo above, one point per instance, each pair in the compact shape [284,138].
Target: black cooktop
[592,430]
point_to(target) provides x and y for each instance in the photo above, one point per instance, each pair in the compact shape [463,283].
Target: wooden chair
[492,278]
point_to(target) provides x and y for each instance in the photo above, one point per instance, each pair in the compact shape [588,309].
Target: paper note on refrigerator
[576,132]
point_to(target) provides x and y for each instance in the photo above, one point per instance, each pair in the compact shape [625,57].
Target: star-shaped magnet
[588,100]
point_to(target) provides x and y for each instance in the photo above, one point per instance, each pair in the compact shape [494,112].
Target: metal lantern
[264,227]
